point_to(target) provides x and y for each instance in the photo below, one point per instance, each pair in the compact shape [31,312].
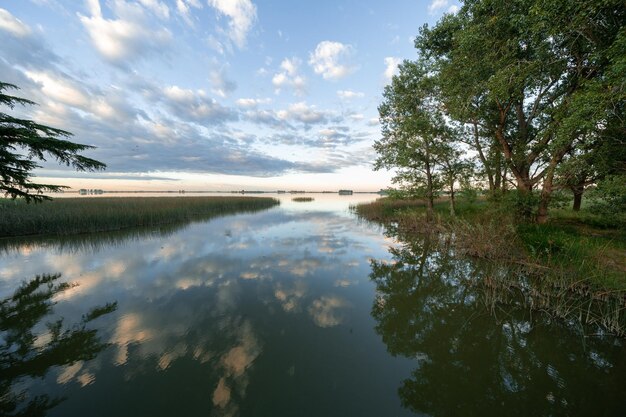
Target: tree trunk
[497,164]
[578,197]
[429,186]
[546,191]
[452,201]
[544,201]
[481,155]
[429,193]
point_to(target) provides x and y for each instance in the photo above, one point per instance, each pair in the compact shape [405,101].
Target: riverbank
[66,216]
[571,246]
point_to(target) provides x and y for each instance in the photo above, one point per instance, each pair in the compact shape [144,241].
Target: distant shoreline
[214,192]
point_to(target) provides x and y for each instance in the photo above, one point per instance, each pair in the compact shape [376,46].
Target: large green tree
[24,142]
[532,76]
[416,141]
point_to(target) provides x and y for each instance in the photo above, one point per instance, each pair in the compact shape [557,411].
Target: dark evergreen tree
[24,142]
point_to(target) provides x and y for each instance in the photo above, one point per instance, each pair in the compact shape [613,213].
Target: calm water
[300,310]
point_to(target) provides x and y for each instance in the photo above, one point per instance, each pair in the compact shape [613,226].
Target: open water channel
[299,310]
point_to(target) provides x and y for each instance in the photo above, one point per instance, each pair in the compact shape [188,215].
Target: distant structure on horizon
[345,192]
[84,191]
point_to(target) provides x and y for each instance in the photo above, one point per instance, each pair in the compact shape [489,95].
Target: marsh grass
[67,216]
[572,302]
[302,199]
[569,249]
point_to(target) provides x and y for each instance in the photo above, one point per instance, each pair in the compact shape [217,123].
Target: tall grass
[65,216]
[568,247]
[302,199]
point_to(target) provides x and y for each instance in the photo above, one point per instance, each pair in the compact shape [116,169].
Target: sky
[212,94]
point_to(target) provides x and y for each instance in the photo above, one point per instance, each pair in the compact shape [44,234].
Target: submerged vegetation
[65,216]
[302,199]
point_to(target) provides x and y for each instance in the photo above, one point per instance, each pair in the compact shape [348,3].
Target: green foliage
[609,198]
[538,83]
[469,193]
[416,141]
[22,142]
[523,204]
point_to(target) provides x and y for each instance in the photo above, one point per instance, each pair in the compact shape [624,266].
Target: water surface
[303,310]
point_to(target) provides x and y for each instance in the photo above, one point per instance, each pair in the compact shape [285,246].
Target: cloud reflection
[188,299]
[326,311]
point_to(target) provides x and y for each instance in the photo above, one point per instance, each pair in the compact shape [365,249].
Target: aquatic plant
[64,216]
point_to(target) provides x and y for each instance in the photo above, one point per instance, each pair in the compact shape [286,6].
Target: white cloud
[119,40]
[329,58]
[242,15]
[290,66]
[289,76]
[196,106]
[155,6]
[391,63]
[302,112]
[13,25]
[222,86]
[436,5]
[348,94]
[58,89]
[183,7]
[250,103]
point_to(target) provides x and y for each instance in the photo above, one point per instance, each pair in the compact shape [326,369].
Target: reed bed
[594,256]
[302,199]
[385,208]
[66,216]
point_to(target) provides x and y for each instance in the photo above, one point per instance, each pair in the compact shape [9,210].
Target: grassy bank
[570,248]
[66,216]
[571,268]
[302,199]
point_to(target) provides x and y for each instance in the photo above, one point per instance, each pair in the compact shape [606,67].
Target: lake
[299,310]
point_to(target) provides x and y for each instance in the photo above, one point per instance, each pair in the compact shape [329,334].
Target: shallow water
[303,310]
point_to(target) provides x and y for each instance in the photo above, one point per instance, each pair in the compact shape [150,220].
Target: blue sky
[212,94]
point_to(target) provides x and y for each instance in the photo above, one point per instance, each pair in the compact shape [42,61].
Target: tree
[414,134]
[23,142]
[454,170]
[534,75]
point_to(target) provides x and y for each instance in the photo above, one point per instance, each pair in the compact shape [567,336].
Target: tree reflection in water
[29,348]
[480,349]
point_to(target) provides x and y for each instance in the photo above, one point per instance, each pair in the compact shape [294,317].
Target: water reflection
[30,348]
[269,314]
[481,349]
[254,314]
